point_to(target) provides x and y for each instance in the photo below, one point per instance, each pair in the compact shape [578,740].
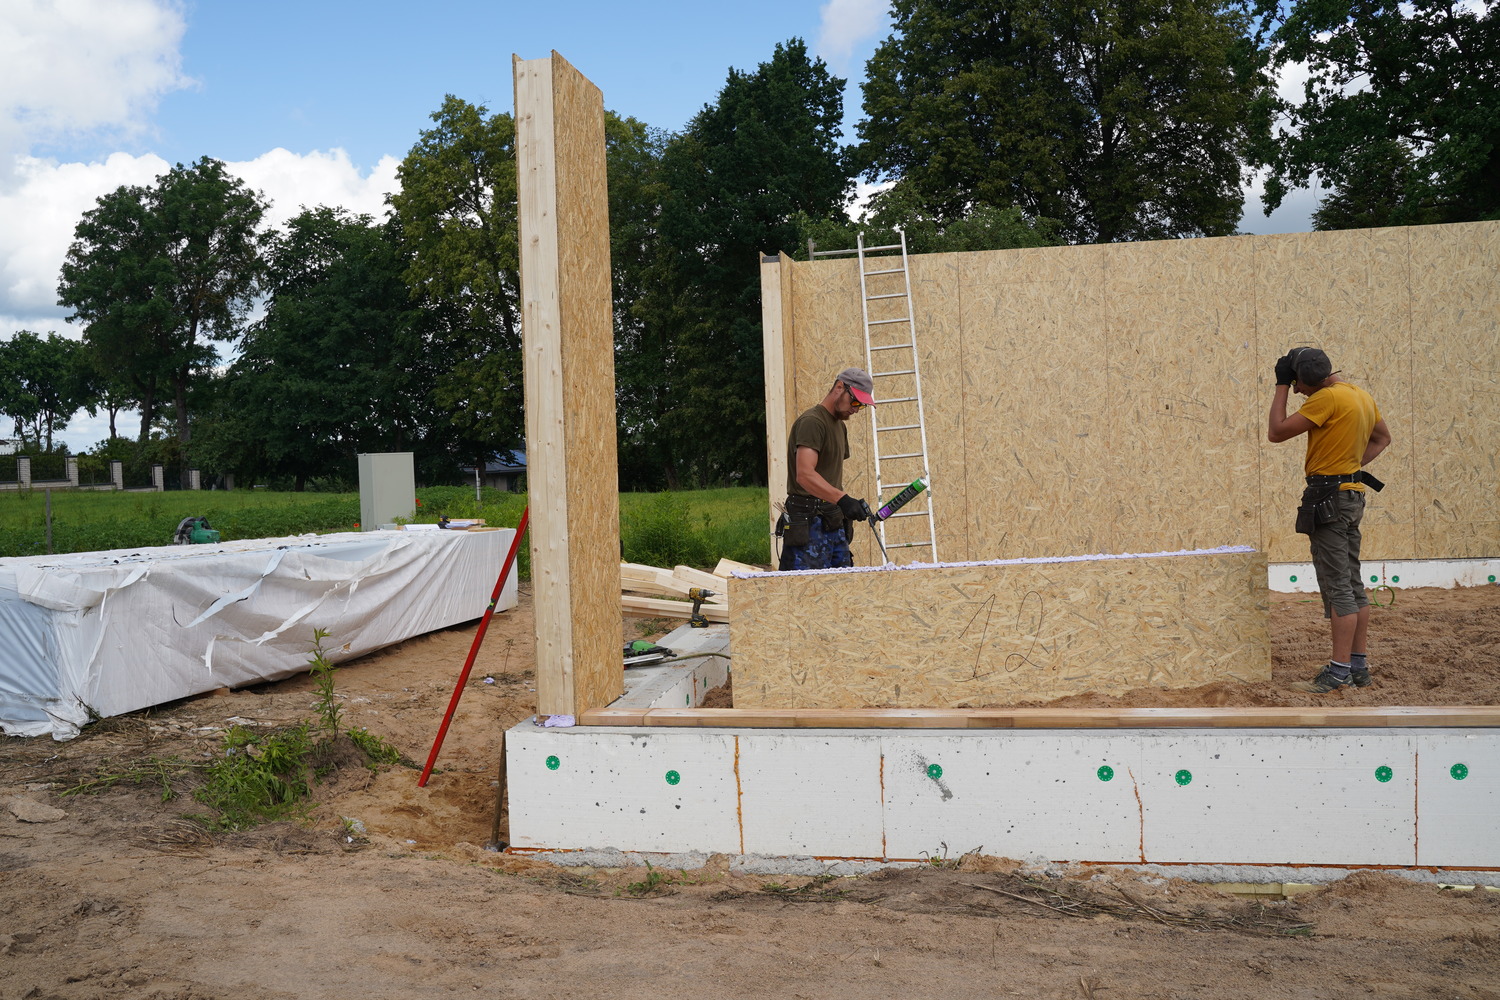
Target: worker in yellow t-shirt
[1345,432]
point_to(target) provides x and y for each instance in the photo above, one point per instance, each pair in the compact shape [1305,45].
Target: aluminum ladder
[892,339]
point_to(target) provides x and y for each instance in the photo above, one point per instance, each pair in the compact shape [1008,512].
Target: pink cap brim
[862,396]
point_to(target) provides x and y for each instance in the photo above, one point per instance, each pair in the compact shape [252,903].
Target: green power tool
[195,531]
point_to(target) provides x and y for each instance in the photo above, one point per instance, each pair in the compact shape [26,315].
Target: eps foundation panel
[980,634]
[1339,797]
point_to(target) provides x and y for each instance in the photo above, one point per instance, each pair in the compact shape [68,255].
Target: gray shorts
[1335,556]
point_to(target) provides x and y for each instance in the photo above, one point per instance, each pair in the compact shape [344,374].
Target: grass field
[695,528]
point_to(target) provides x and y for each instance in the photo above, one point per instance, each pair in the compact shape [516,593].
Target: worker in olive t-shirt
[819,520]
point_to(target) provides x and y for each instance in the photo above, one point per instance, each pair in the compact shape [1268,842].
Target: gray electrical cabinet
[387,488]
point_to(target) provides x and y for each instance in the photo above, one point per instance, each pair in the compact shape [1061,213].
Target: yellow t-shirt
[1345,416]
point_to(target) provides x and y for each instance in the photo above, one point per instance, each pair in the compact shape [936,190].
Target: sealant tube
[903,498]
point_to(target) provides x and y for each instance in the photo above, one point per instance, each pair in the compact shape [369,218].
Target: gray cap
[859,383]
[1312,366]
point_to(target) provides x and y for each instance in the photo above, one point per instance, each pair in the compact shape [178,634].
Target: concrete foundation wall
[1399,797]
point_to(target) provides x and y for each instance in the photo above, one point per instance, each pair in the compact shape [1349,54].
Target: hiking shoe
[1360,678]
[1323,683]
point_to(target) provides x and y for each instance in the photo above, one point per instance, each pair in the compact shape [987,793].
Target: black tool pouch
[1319,507]
[798,529]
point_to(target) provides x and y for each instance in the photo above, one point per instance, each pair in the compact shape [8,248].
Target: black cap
[1312,366]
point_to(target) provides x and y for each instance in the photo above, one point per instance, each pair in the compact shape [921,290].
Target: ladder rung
[910,454]
[908,545]
[899,399]
[904,371]
[893,295]
[890,347]
[894,486]
[892,246]
[909,513]
[889,270]
[880,322]
[903,427]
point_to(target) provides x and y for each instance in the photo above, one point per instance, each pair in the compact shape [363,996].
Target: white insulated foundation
[1324,797]
[1299,578]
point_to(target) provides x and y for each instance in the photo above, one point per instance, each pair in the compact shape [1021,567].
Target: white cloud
[41,209]
[1294,215]
[69,67]
[47,200]
[845,26]
[292,181]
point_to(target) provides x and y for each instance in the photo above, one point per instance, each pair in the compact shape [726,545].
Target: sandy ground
[116,894]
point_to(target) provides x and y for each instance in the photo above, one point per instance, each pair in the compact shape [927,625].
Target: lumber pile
[664,592]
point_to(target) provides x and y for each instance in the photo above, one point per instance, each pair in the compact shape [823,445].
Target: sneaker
[1323,683]
[1360,678]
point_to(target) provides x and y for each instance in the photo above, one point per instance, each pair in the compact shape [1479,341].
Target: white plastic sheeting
[112,632]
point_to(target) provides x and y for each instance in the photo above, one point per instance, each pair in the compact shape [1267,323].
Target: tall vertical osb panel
[1348,293]
[1035,377]
[568,344]
[1455,327]
[1180,409]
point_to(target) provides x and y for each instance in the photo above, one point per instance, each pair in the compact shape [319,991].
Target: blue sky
[315,102]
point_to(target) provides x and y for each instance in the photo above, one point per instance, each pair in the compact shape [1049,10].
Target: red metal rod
[484,623]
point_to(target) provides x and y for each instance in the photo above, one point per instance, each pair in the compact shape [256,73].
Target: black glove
[853,510]
[1286,371]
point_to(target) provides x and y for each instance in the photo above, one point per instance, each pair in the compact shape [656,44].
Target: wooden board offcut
[996,634]
[568,345]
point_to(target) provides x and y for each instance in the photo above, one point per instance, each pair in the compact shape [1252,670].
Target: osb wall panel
[1348,293]
[1035,377]
[1455,327]
[1181,396]
[589,383]
[988,635]
[569,347]
[1114,398]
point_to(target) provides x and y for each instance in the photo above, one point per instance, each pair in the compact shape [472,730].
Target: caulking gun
[890,507]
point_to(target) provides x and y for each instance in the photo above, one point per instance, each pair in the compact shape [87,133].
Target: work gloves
[854,511]
[1286,367]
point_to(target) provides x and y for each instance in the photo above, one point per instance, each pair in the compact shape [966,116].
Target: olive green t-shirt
[824,433]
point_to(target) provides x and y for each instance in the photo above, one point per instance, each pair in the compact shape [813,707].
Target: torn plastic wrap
[104,633]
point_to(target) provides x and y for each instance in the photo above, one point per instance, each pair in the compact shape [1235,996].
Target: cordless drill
[698,595]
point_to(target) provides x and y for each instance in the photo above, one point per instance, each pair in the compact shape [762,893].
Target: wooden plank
[979,635]
[568,351]
[1443,716]
[727,566]
[698,578]
[671,609]
[776,333]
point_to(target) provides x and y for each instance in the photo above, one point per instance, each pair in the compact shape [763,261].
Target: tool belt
[1354,477]
[795,524]
[1320,500]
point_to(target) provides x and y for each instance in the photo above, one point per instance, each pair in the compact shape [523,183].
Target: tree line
[985,126]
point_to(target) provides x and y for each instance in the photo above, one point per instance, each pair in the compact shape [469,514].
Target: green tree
[1400,114]
[157,274]
[898,210]
[339,363]
[457,207]
[739,181]
[1126,121]
[43,382]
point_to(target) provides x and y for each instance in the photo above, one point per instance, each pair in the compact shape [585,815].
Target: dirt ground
[116,894]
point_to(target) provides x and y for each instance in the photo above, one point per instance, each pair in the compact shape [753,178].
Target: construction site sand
[116,894]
